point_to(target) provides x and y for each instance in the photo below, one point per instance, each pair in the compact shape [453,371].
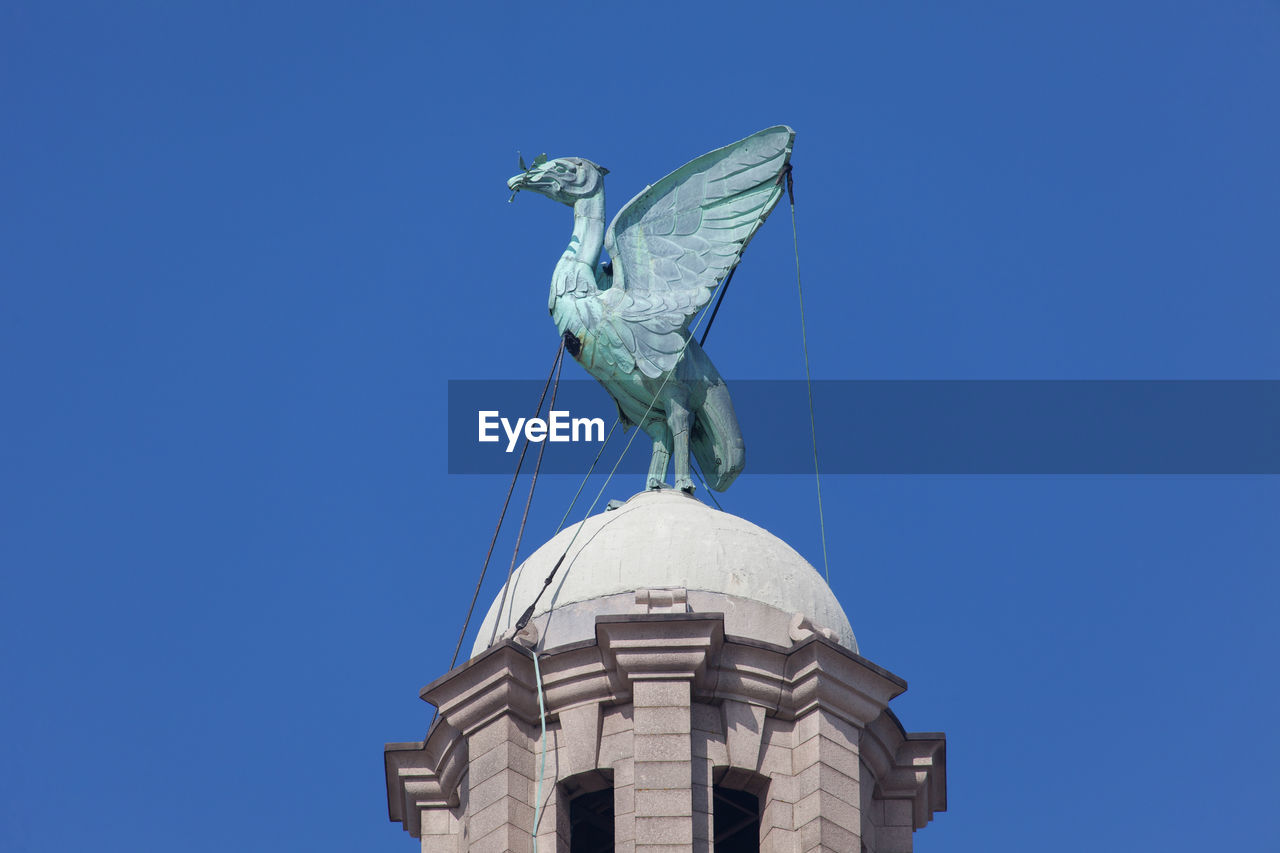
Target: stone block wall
[662,708]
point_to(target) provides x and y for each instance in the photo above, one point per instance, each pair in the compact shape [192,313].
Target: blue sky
[244,246]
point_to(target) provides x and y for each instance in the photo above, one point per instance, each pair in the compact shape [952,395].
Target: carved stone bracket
[424,775]
[662,600]
[918,774]
[661,646]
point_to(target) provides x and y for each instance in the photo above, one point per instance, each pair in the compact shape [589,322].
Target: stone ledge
[734,704]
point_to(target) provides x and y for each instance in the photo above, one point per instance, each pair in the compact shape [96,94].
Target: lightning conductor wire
[808,380]
[528,613]
[542,769]
[502,515]
[533,484]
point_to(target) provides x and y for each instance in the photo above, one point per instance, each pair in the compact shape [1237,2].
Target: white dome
[662,540]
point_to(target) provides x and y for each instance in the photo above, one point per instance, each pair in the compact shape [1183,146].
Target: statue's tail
[716,440]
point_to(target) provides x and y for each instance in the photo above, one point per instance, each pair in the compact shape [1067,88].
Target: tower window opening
[591,822]
[735,820]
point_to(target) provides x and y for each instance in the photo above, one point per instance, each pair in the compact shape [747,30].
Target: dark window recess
[591,822]
[736,823]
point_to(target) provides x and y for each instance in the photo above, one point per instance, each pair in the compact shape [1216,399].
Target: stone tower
[701,690]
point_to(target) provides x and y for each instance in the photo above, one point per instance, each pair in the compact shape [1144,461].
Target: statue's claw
[686,485]
[655,484]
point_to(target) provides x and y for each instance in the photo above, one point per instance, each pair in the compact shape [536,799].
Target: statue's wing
[673,243]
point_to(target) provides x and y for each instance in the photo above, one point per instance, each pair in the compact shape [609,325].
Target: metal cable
[719,299]
[720,285]
[542,771]
[590,470]
[804,339]
[466,622]
[533,483]
[703,481]
[528,614]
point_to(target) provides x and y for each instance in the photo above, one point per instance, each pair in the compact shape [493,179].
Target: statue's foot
[655,484]
[686,485]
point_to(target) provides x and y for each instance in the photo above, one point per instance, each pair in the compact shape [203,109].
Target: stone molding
[661,646]
[812,720]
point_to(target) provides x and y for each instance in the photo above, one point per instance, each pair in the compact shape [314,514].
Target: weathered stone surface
[652,775]
[709,747]
[505,839]
[823,804]
[662,600]
[726,564]
[822,835]
[502,786]
[506,810]
[660,696]
[893,839]
[441,844]
[661,720]
[744,729]
[663,747]
[676,803]
[624,799]
[441,832]
[615,747]
[580,728]
[509,755]
[897,813]
[661,830]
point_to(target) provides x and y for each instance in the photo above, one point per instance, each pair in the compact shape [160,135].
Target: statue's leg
[680,421]
[658,462]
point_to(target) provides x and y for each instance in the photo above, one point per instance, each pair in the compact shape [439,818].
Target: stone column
[663,766]
[440,831]
[624,805]
[500,787]
[663,658]
[828,804]
[654,705]
[493,703]
[777,807]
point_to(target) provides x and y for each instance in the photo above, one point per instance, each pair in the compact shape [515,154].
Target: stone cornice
[577,676]
[820,673]
[498,682]
[424,774]
[662,645]
[752,679]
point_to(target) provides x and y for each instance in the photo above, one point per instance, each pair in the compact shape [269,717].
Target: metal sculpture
[627,321]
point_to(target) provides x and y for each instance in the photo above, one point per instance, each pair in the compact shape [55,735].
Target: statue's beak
[516,183]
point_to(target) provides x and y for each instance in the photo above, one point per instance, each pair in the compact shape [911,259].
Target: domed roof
[663,540]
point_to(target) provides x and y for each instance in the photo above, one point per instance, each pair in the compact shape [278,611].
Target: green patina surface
[670,247]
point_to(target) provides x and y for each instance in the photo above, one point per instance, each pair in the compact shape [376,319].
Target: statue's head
[565,179]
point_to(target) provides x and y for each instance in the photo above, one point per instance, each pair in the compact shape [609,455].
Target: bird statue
[627,321]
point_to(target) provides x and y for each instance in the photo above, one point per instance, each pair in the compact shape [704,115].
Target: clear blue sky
[244,246]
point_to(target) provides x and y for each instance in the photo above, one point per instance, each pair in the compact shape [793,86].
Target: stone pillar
[493,707]
[624,805]
[777,807]
[663,766]
[500,787]
[827,810]
[440,831]
[660,705]
[664,657]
